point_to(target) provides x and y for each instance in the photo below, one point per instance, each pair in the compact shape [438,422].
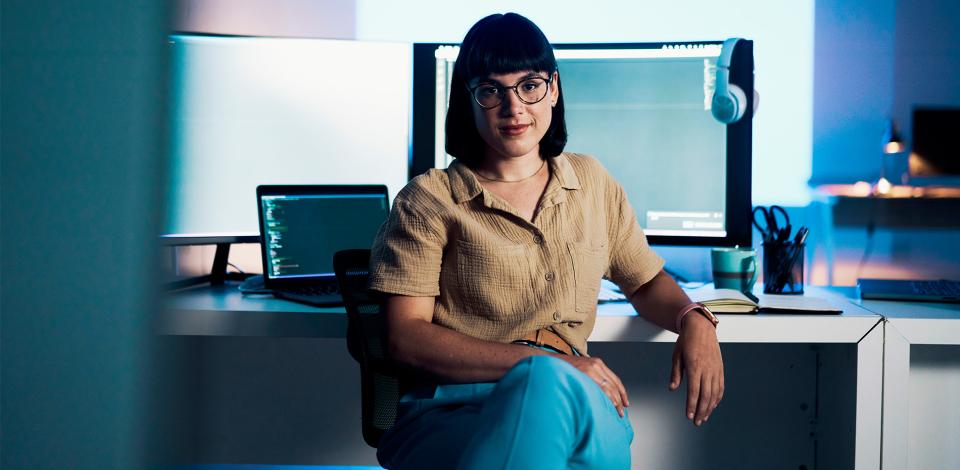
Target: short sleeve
[632,262]
[407,252]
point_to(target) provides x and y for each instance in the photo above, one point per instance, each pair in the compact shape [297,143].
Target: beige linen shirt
[497,276]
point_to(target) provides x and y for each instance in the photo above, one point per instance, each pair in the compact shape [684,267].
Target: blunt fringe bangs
[498,44]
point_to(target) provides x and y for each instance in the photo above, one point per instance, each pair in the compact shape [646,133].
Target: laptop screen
[302,227]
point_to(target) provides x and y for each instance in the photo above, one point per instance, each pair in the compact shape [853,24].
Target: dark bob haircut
[498,44]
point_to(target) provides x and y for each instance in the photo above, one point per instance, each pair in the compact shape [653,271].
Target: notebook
[302,226]
[734,301]
[913,290]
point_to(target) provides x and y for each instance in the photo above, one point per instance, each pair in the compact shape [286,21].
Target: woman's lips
[511,131]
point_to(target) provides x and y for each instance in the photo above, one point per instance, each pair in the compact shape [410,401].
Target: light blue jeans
[543,413]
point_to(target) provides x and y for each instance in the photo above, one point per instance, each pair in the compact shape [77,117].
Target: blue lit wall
[854,88]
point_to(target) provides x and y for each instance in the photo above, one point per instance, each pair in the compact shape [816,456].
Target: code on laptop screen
[303,232]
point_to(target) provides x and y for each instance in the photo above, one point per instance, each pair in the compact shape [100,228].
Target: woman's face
[514,128]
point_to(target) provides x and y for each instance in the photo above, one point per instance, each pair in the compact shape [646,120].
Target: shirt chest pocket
[589,264]
[494,280]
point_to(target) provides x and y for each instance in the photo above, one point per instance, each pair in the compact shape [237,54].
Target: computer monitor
[643,110]
[936,150]
[248,111]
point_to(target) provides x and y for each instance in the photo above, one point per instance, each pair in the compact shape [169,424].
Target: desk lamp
[892,145]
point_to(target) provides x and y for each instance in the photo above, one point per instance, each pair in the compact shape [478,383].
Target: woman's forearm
[659,301]
[450,356]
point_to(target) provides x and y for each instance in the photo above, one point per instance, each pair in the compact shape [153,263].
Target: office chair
[366,342]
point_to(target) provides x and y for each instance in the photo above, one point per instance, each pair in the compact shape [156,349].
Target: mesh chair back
[366,342]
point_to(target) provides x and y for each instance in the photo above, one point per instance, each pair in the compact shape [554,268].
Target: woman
[492,268]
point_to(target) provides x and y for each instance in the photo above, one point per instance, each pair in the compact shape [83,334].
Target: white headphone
[729,101]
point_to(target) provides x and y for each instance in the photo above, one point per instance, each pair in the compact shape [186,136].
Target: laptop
[905,289]
[302,226]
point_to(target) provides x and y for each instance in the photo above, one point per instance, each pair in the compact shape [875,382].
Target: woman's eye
[530,86]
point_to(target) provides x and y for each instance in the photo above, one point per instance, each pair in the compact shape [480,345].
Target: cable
[235,267]
[868,247]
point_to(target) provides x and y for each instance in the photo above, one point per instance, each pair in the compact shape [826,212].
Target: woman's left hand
[697,354]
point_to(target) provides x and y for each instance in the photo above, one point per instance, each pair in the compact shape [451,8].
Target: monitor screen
[303,229]
[248,111]
[936,151]
[643,110]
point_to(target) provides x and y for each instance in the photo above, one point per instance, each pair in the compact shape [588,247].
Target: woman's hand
[595,368]
[697,353]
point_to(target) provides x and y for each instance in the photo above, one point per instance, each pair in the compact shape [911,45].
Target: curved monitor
[643,110]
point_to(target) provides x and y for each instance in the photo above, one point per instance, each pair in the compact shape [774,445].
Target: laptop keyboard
[314,290]
[937,288]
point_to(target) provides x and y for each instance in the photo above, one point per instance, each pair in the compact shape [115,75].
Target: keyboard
[917,290]
[941,288]
[325,294]
[318,289]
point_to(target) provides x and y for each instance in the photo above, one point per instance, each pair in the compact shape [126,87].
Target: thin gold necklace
[514,181]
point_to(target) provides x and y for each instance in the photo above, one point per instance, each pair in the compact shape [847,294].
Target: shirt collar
[463,183]
[564,172]
[465,186]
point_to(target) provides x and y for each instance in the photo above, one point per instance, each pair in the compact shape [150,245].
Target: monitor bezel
[738,203]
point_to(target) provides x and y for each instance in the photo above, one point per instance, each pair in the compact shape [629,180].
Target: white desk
[223,312]
[921,415]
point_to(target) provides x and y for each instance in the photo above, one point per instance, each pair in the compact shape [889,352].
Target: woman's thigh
[546,412]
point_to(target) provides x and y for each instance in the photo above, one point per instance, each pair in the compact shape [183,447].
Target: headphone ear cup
[729,107]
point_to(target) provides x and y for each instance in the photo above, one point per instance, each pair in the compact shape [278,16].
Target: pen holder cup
[783,268]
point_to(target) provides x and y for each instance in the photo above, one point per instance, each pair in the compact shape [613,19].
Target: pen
[801,236]
[790,258]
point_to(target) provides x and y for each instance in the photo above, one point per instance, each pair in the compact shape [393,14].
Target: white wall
[333,19]
[782,31]
[783,51]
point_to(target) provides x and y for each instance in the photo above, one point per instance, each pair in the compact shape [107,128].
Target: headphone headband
[729,102]
[726,52]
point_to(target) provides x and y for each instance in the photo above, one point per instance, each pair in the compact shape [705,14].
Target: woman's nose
[511,104]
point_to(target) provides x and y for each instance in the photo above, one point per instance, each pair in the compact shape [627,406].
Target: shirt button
[549,276]
[556,316]
[538,239]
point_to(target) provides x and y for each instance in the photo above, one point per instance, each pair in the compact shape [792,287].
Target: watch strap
[703,311]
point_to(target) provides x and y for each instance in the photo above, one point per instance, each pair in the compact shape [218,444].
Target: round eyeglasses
[530,90]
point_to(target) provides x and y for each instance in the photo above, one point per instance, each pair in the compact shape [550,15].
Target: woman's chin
[517,151]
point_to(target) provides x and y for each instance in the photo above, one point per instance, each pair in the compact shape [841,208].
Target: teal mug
[734,268]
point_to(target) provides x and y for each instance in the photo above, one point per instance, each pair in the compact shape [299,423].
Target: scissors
[772,229]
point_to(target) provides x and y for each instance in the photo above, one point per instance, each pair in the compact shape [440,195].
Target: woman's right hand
[597,370]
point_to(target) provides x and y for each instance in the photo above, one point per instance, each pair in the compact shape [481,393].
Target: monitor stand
[218,272]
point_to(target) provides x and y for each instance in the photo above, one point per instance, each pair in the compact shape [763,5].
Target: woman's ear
[555,88]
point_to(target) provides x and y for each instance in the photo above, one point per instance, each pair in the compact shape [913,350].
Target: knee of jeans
[553,373]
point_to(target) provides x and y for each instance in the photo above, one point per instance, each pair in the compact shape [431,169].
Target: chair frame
[381,382]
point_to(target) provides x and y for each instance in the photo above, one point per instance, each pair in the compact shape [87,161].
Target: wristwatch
[709,315]
[700,308]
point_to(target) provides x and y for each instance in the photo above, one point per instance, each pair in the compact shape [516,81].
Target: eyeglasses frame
[515,89]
